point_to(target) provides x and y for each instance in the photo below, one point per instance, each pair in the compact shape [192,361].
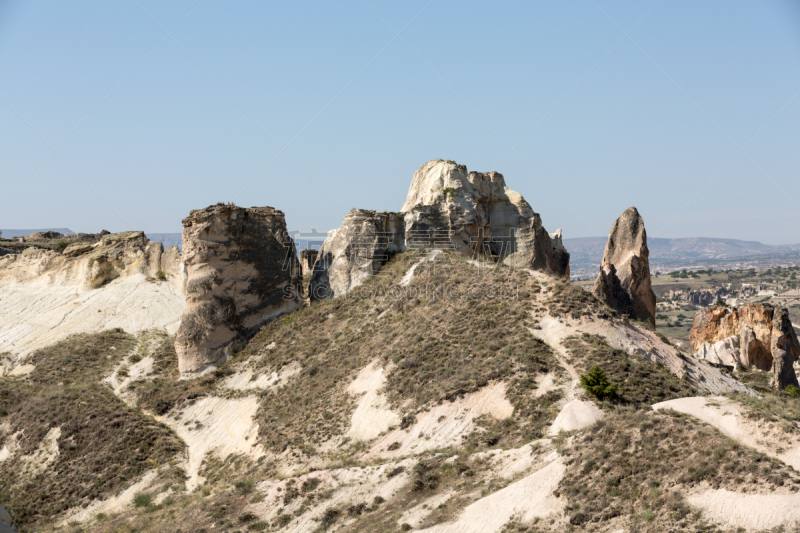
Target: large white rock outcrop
[624,279]
[750,335]
[355,252]
[449,208]
[242,271]
[111,282]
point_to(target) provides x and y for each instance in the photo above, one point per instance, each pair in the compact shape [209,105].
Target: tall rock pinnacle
[624,279]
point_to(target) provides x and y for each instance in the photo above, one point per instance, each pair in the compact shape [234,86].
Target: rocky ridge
[120,280]
[448,208]
[447,412]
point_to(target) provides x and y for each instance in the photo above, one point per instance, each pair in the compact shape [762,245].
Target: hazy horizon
[128,115]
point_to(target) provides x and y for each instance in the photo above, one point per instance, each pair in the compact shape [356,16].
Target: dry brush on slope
[94,443]
[641,382]
[635,467]
[435,349]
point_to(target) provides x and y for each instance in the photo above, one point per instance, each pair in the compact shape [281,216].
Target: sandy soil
[575,415]
[443,425]
[755,512]
[728,416]
[247,380]
[115,504]
[215,425]
[526,499]
[350,485]
[372,415]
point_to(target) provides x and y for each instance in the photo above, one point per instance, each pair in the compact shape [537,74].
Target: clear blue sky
[694,117]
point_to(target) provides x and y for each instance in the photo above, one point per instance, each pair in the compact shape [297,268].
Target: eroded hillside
[441,395]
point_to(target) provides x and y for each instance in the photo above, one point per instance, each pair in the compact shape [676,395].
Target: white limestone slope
[37,313]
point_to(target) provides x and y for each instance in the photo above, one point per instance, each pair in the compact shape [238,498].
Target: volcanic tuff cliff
[104,281]
[750,335]
[454,411]
[242,271]
[448,208]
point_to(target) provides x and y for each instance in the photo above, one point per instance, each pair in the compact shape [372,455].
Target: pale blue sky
[582,120]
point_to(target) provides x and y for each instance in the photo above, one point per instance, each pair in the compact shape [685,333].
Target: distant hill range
[692,253]
[8,233]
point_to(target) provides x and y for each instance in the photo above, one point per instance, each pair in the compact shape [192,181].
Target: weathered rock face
[448,208]
[242,271]
[307,259]
[785,350]
[755,335]
[355,252]
[624,279]
[46,295]
[91,264]
[706,297]
[6,524]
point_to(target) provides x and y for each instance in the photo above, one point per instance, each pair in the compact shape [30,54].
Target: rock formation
[90,263]
[785,350]
[307,259]
[242,271]
[624,279]
[355,252]
[751,335]
[706,297]
[47,294]
[6,524]
[449,208]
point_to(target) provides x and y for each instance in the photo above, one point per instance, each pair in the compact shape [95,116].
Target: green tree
[597,384]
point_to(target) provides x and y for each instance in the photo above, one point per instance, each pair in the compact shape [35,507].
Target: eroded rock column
[242,271]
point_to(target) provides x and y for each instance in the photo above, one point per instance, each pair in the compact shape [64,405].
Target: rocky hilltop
[447,208]
[242,271]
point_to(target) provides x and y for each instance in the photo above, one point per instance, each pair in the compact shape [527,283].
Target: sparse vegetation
[640,383]
[639,463]
[457,347]
[103,444]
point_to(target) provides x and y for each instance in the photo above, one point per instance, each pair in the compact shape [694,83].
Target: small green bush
[142,499]
[596,383]
[161,275]
[449,191]
[62,245]
[793,391]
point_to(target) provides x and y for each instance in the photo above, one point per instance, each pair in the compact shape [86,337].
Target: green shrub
[161,275]
[449,191]
[596,383]
[244,486]
[142,499]
[793,391]
[62,245]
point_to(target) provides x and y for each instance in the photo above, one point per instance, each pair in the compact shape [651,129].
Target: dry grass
[637,464]
[436,347]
